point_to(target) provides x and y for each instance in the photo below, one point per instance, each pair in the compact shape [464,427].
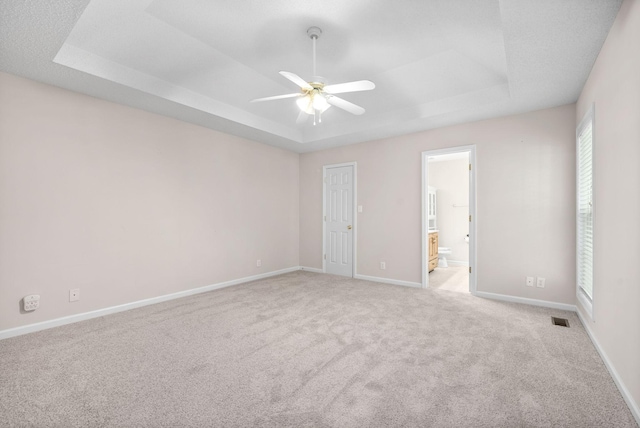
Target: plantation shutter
[585,209]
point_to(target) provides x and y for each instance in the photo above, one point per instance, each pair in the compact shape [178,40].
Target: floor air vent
[562,322]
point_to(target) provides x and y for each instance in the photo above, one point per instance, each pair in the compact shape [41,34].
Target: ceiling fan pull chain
[314,96]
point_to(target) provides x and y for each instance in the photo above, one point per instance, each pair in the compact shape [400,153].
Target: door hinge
[469,219]
[469,167]
[469,269]
[325,257]
[325,218]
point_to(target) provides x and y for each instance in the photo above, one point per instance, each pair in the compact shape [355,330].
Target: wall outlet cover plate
[31,302]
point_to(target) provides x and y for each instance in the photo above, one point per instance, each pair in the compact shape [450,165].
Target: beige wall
[127,205]
[614,89]
[526,192]
[451,179]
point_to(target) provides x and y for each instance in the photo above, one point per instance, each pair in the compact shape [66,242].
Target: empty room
[320,214]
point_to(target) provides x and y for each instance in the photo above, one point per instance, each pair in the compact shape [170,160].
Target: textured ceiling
[434,63]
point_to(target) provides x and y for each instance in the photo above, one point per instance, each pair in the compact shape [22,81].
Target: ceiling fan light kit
[316,97]
[313,101]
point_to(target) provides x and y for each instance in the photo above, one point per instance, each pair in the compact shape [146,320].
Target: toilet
[443,252]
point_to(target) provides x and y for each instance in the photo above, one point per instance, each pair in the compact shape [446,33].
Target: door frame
[473,225]
[354,255]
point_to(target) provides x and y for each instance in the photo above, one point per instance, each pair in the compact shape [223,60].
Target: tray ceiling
[434,63]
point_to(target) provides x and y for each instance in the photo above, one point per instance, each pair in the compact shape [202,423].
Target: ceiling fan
[315,97]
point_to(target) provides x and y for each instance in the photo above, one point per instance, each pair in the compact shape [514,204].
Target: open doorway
[448,217]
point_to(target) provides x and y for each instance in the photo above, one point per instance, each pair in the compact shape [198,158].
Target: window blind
[585,209]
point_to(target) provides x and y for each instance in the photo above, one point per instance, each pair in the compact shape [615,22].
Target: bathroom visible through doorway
[448,219]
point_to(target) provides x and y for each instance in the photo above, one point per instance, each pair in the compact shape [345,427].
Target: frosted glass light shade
[313,102]
[305,104]
[320,103]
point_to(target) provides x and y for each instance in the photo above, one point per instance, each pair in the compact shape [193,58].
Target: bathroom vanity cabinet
[433,250]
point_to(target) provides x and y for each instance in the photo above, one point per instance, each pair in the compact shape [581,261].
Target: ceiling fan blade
[358,85]
[345,105]
[276,97]
[296,79]
[302,118]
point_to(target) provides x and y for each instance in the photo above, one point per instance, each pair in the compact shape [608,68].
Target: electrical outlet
[31,302]
[259,263]
[359,208]
[383,265]
[540,282]
[529,281]
[74,294]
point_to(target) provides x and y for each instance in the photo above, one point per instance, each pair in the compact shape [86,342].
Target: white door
[339,221]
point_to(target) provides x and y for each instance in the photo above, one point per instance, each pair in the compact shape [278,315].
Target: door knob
[349,227]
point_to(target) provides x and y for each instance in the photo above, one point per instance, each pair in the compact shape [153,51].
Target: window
[585,211]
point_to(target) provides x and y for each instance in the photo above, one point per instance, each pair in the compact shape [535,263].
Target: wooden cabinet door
[435,244]
[433,251]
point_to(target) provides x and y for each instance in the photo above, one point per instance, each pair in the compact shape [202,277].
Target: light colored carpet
[312,350]
[452,278]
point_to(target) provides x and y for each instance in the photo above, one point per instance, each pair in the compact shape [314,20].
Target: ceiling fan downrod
[314,33]
[315,96]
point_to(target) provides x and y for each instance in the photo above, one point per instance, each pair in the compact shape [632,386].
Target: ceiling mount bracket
[314,32]
[314,96]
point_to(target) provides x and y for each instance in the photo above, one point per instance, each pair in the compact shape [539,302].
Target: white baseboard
[310,269]
[30,328]
[457,263]
[526,301]
[633,406]
[388,281]
[17,331]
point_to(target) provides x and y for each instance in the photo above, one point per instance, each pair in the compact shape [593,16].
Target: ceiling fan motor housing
[313,98]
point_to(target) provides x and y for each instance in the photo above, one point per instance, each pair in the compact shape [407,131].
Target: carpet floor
[312,350]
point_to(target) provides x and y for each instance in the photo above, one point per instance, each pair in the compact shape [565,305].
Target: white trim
[633,406]
[585,301]
[354,270]
[31,328]
[310,269]
[526,301]
[389,281]
[589,115]
[425,226]
[473,261]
